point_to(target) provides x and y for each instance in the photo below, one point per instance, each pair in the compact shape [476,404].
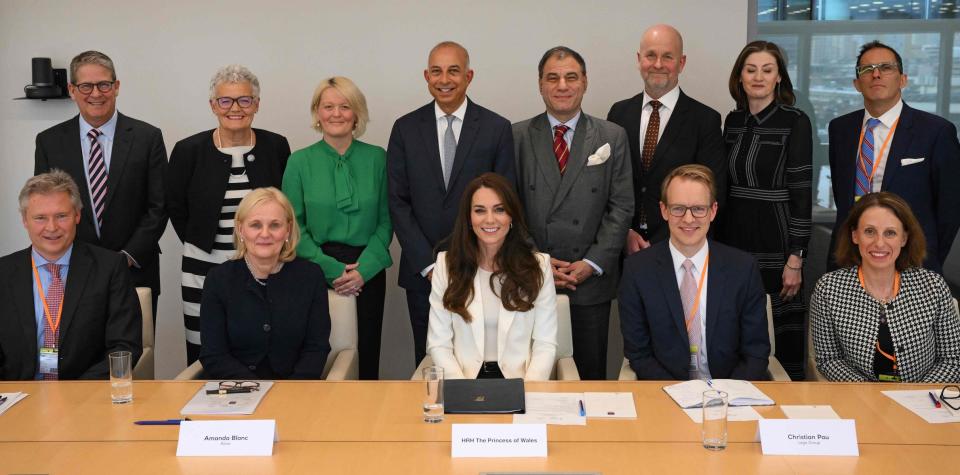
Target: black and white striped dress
[196,262]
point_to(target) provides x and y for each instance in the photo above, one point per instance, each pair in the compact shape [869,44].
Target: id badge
[49,358]
[694,354]
[888,378]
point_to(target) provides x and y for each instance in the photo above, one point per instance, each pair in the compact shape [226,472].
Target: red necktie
[560,148]
[54,300]
[97,175]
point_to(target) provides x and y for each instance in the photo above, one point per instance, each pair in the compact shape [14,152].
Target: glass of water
[433,399]
[714,420]
[121,377]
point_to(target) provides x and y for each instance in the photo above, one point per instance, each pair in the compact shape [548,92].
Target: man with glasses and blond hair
[890,146]
[692,308]
[118,163]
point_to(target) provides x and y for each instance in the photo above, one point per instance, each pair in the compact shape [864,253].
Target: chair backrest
[146,308]
[770,329]
[343,326]
[564,334]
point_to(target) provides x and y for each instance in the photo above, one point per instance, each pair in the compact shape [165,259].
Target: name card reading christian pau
[226,438]
[809,437]
[499,440]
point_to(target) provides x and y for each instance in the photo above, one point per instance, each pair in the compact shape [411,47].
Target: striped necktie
[560,149]
[865,164]
[97,174]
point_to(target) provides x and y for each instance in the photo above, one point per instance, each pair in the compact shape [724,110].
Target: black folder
[483,396]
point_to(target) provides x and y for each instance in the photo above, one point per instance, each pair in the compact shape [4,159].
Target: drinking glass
[121,377]
[714,420]
[433,399]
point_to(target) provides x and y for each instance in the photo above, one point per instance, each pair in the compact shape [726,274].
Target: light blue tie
[449,151]
[865,163]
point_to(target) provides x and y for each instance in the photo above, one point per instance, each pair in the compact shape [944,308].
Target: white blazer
[526,341]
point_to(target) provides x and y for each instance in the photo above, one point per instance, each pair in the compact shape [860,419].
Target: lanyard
[896,289]
[696,301]
[879,153]
[54,325]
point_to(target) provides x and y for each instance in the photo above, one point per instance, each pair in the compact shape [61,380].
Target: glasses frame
[102,86]
[886,69]
[944,399]
[235,387]
[672,210]
[235,100]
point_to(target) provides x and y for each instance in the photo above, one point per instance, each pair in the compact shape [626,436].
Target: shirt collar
[107,129]
[888,117]
[668,100]
[41,261]
[459,113]
[572,123]
[698,258]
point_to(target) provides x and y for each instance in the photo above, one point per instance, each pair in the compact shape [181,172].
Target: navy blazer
[421,207]
[655,338]
[928,186]
[134,216]
[101,314]
[287,321]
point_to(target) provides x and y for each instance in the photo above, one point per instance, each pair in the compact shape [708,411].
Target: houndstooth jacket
[923,322]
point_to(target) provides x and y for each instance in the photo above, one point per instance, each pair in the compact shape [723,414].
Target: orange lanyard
[879,153]
[696,301]
[54,325]
[896,289]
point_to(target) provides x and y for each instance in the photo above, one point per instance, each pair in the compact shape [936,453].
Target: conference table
[377,427]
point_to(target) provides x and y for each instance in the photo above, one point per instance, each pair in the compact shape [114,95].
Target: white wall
[165,53]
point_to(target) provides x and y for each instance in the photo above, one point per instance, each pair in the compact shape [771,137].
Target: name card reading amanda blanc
[808,437]
[499,440]
[226,438]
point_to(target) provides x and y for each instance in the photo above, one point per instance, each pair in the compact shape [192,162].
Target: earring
[511,225]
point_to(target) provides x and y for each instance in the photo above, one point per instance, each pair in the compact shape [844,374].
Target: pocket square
[910,161]
[600,156]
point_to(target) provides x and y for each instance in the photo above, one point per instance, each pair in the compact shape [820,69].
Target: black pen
[3,399]
[164,422]
[231,391]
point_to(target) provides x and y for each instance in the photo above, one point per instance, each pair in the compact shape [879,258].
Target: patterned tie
[650,146]
[865,164]
[54,300]
[688,295]
[98,175]
[449,150]
[560,149]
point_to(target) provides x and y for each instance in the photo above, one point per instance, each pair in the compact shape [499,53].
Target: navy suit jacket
[929,186]
[101,314]
[655,338]
[422,208]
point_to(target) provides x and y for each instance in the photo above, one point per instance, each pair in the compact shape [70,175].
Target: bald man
[665,129]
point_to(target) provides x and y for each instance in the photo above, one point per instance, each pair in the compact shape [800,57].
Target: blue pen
[164,422]
[710,383]
[583,411]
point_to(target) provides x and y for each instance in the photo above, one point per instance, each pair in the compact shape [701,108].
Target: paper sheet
[734,414]
[809,412]
[552,408]
[225,404]
[610,405]
[12,398]
[919,403]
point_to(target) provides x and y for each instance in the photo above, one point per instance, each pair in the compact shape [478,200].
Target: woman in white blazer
[493,305]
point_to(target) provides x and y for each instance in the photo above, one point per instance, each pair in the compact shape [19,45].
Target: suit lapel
[716,277]
[667,276]
[584,143]
[81,265]
[468,136]
[902,137]
[542,138]
[23,284]
[476,313]
[122,141]
[631,122]
[847,175]
[428,131]
[505,321]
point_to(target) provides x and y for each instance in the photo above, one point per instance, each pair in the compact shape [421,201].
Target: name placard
[226,438]
[809,437]
[499,440]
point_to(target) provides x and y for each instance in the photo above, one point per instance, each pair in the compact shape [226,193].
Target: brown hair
[692,172]
[517,266]
[784,89]
[912,255]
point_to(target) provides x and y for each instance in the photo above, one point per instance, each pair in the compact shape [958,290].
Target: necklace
[254,274]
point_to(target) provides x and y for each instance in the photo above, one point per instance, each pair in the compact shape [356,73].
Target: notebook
[739,393]
[483,396]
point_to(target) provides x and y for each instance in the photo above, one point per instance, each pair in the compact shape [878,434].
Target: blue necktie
[865,163]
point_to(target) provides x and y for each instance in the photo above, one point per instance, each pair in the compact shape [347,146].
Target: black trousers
[369,310]
[589,325]
[418,304]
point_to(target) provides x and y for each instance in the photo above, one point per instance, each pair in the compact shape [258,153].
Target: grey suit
[583,214]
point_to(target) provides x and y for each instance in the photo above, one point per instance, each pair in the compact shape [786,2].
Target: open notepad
[225,404]
[739,393]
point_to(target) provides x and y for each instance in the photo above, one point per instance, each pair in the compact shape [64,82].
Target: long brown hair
[784,89]
[517,267]
[912,255]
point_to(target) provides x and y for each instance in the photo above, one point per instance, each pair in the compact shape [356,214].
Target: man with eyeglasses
[890,146]
[119,164]
[692,308]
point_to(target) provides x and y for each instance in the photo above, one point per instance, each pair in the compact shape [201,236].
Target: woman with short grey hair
[208,175]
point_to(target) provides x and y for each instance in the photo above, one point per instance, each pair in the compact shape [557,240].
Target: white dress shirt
[880,133]
[698,259]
